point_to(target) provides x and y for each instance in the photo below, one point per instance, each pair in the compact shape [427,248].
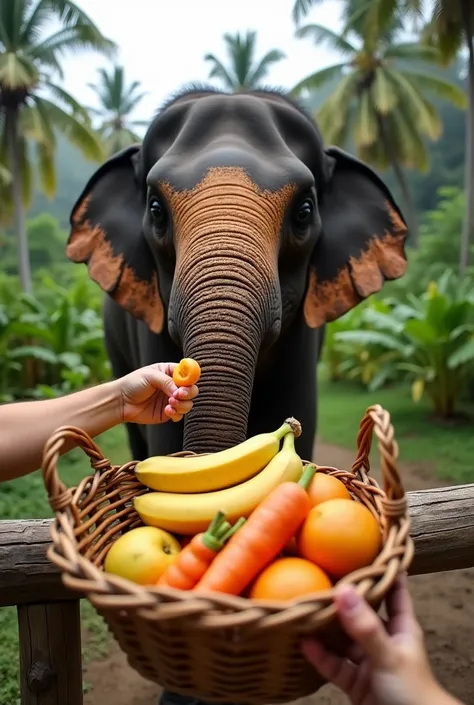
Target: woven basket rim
[238,610]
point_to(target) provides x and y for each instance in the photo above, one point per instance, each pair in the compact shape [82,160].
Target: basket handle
[377,420]
[59,496]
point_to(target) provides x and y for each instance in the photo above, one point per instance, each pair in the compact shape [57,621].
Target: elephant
[232,235]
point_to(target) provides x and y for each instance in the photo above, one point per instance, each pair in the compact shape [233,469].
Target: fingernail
[348,599]
[170,411]
[184,392]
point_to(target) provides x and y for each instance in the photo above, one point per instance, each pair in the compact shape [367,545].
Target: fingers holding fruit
[176,408]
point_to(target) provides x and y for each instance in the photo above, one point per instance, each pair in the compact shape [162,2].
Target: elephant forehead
[228,200]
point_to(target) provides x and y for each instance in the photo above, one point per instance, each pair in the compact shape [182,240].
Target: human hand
[387,663]
[149,395]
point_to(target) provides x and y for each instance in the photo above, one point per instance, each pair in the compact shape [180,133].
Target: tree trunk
[411,217]
[468,225]
[12,117]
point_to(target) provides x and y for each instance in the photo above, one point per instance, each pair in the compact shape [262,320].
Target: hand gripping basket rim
[78,551]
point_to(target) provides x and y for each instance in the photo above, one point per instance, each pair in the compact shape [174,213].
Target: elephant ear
[362,243]
[106,234]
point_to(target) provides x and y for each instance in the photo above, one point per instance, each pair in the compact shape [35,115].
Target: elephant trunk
[225,302]
[221,323]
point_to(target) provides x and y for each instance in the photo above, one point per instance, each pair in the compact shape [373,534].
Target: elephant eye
[304,213]
[158,212]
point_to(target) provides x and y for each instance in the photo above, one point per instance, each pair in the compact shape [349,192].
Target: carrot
[270,526]
[198,554]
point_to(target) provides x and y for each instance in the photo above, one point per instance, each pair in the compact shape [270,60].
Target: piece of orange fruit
[289,578]
[340,535]
[323,487]
[186,373]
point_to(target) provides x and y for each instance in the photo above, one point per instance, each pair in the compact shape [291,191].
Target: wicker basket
[216,647]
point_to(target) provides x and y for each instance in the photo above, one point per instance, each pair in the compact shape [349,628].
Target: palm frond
[68,100]
[413,51]
[365,126]
[46,169]
[426,120]
[383,94]
[301,8]
[323,35]
[338,105]
[77,132]
[261,70]
[219,71]
[438,86]
[71,15]
[318,79]
[17,72]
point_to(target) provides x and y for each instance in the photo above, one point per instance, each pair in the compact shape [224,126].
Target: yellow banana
[192,513]
[205,473]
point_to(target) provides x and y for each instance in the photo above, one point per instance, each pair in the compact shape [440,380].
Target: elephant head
[229,221]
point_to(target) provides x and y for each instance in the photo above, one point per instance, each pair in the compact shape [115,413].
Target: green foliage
[426,341]
[31,102]
[243,71]
[46,241]
[382,100]
[117,102]
[51,343]
[445,449]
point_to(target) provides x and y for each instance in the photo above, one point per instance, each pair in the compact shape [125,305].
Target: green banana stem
[307,476]
[289,442]
[219,531]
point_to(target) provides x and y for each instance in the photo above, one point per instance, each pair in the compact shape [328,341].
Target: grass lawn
[25,498]
[449,449]
[341,407]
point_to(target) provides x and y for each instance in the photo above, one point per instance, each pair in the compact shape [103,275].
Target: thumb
[365,627]
[161,381]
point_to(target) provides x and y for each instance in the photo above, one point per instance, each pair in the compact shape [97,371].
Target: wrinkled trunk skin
[223,333]
[225,303]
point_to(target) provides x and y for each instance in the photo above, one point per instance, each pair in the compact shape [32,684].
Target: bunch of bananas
[190,490]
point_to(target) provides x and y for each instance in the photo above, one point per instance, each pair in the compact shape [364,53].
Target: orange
[324,487]
[340,535]
[288,578]
[186,373]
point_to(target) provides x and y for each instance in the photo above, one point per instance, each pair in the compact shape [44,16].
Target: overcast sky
[162,44]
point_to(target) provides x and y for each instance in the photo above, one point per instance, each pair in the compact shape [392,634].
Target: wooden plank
[50,653]
[442,528]
[26,575]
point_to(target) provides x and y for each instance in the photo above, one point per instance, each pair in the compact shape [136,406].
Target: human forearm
[26,426]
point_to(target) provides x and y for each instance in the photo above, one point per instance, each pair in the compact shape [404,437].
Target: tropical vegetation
[33,106]
[117,102]
[401,97]
[243,71]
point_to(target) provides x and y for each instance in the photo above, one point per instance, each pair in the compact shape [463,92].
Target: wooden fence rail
[48,614]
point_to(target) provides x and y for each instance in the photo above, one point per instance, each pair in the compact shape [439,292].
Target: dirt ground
[444,605]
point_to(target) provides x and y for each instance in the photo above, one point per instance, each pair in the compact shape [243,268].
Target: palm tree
[32,105]
[117,102]
[450,27]
[381,98]
[243,71]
